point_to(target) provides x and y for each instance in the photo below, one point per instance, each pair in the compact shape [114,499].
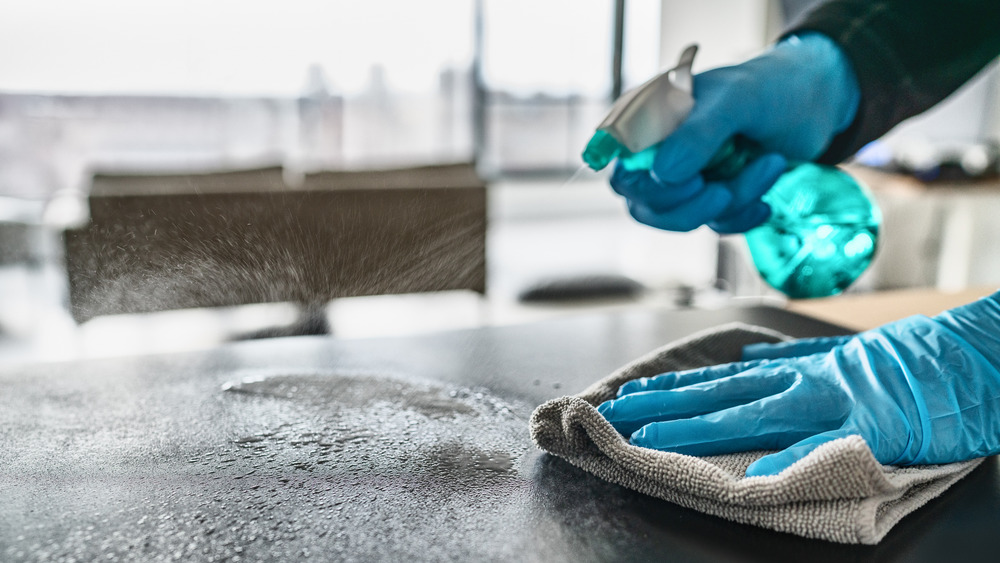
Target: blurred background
[513,87]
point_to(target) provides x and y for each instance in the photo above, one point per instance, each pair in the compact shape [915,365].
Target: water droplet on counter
[249,439]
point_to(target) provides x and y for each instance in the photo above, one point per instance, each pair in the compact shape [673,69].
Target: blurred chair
[171,241]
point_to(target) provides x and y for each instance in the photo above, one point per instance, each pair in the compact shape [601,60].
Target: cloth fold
[839,492]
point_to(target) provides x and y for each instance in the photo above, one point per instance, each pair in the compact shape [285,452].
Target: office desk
[394,449]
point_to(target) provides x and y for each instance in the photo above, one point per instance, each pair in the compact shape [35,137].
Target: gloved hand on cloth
[792,100]
[919,391]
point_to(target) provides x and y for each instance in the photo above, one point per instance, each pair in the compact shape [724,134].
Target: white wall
[727,31]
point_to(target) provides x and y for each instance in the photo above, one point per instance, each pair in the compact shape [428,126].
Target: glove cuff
[978,323]
[947,386]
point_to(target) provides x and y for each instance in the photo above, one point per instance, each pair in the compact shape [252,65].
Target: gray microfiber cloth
[839,492]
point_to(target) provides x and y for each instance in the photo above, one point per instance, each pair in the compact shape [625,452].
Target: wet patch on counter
[322,465]
[382,424]
[460,458]
[352,451]
[356,390]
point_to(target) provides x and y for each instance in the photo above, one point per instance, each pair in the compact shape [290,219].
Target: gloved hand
[792,100]
[919,391]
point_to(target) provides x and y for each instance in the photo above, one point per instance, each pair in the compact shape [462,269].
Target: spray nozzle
[643,116]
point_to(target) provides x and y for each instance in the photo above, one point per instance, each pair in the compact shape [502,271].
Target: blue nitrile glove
[919,391]
[792,100]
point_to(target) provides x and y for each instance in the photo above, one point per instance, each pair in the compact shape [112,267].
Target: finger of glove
[632,412]
[746,210]
[705,206]
[640,186]
[793,348]
[764,424]
[774,464]
[678,379]
[686,151]
[749,217]
[756,179]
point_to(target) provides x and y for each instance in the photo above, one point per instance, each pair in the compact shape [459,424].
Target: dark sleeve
[907,55]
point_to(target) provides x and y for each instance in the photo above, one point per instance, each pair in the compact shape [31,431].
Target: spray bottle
[823,227]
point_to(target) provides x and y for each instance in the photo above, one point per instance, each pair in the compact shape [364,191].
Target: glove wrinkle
[901,371]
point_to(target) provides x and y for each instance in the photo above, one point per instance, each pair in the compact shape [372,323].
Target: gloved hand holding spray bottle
[919,390]
[821,226]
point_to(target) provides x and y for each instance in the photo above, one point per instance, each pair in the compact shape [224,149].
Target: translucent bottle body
[821,235]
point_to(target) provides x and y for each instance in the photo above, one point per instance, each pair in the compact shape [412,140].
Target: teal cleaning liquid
[821,235]
[823,229]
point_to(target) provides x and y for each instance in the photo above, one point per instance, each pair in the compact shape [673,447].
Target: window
[168,84]
[548,76]
[182,84]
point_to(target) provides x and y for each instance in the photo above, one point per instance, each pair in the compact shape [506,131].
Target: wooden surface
[869,310]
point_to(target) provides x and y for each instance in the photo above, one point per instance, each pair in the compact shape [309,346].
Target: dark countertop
[314,448]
